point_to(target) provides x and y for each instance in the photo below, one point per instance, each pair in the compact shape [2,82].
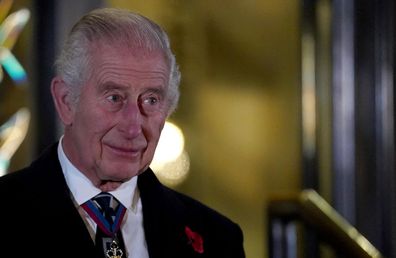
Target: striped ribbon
[100,219]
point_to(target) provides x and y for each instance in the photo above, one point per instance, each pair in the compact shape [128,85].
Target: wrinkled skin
[112,131]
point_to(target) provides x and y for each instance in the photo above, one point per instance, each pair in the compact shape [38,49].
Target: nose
[130,124]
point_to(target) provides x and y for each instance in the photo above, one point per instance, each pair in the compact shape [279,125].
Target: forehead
[102,52]
[117,62]
[102,48]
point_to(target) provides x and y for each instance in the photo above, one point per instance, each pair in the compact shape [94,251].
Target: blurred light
[170,145]
[175,172]
[308,95]
[12,27]
[12,133]
[171,163]
[12,66]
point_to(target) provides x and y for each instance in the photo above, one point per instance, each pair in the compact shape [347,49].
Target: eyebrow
[155,88]
[110,86]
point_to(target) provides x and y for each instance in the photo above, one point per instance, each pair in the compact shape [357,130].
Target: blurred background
[277,97]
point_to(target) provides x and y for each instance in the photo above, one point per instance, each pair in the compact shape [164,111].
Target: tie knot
[106,202]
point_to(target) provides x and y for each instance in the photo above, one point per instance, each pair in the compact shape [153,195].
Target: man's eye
[114,98]
[113,102]
[151,101]
[151,104]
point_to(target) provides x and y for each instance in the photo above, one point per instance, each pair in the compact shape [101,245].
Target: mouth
[124,152]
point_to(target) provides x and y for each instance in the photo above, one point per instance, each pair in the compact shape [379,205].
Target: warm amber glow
[308,94]
[171,144]
[171,163]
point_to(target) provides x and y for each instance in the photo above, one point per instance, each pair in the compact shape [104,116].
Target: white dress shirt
[127,193]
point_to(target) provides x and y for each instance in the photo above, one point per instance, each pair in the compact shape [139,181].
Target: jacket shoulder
[31,178]
[16,181]
[221,236]
[199,210]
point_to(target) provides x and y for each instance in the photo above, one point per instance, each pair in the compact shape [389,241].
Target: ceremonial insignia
[115,251]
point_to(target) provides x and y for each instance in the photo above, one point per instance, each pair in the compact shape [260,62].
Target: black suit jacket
[38,218]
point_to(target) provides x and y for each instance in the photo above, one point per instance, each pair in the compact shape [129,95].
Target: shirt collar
[83,190]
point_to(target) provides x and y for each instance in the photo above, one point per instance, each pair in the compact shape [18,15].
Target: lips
[127,152]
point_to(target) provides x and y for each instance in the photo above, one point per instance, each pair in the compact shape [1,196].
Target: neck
[107,186]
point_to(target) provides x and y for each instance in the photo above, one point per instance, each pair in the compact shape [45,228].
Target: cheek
[92,128]
[154,131]
[98,120]
[159,125]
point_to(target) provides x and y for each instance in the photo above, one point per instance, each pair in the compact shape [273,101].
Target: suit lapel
[59,212]
[163,219]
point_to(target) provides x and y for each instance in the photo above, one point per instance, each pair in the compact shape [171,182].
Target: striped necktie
[107,212]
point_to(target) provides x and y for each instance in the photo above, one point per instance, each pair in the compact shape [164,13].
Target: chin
[120,172]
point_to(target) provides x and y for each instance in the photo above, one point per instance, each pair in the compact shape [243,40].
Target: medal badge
[114,251]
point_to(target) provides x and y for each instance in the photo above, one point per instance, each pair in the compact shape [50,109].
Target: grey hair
[120,28]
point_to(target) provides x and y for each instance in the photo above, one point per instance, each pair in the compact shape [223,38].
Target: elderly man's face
[117,121]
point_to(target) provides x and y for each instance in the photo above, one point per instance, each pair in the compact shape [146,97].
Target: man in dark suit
[93,193]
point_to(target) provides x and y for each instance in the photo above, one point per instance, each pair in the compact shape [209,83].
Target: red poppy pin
[195,240]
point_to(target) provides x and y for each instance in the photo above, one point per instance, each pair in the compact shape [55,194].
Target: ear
[63,100]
